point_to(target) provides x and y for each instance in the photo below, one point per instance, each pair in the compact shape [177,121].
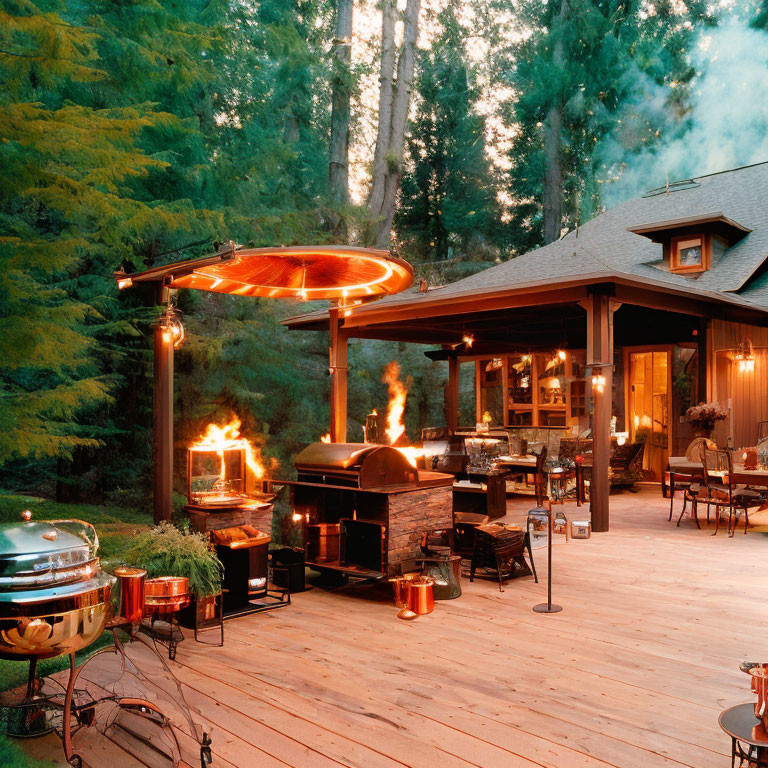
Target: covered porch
[634,354]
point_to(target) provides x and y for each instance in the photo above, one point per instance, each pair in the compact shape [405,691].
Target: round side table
[749,737]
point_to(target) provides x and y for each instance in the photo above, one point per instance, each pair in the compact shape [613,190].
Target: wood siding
[745,393]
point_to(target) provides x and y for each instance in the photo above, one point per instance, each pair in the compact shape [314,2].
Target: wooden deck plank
[632,674]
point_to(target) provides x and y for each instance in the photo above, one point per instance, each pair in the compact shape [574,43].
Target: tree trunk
[400,102]
[386,80]
[553,173]
[338,167]
[553,176]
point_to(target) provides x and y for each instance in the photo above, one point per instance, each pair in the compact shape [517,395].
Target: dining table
[742,476]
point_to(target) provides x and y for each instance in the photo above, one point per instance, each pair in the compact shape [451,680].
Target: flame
[396,405]
[326,438]
[411,452]
[227,438]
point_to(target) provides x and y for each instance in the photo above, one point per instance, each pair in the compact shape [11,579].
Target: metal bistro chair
[721,491]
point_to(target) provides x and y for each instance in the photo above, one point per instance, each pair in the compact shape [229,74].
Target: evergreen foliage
[612,55]
[138,134]
[448,206]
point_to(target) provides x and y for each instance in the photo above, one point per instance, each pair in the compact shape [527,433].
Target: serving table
[749,740]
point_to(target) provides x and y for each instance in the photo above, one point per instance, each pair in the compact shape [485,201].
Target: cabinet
[538,389]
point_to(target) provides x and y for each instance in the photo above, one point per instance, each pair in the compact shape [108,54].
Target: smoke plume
[726,127]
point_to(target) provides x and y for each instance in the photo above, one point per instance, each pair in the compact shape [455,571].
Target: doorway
[649,406]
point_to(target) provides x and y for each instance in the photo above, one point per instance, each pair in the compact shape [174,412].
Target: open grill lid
[365,464]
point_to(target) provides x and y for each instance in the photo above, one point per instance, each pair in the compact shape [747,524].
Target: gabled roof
[606,248]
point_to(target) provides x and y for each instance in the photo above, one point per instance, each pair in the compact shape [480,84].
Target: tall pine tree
[448,207]
[578,69]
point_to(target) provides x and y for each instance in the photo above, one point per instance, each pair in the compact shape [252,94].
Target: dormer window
[689,253]
[692,245]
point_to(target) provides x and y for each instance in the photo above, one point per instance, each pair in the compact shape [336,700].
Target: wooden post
[338,369]
[452,395]
[703,355]
[600,308]
[163,420]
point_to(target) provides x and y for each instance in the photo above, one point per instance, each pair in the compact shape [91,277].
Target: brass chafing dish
[54,597]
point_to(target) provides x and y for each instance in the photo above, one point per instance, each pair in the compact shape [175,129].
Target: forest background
[461,132]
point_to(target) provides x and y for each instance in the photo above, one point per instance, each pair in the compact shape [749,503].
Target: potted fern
[166,550]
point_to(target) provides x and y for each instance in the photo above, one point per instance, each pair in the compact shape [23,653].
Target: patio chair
[685,472]
[501,552]
[627,464]
[721,491]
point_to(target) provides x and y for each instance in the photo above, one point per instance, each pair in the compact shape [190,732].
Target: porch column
[452,395]
[702,343]
[338,370]
[600,308]
[163,419]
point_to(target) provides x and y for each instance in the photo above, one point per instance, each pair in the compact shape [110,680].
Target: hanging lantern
[745,356]
[172,327]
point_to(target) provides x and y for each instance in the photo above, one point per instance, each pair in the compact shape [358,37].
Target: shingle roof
[605,246]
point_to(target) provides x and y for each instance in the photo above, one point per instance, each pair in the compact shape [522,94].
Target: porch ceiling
[536,328]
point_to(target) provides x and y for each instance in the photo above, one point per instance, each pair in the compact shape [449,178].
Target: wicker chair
[502,551]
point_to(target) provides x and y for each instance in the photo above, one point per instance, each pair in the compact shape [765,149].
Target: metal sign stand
[549,606]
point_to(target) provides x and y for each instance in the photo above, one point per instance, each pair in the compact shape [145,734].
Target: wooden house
[658,303]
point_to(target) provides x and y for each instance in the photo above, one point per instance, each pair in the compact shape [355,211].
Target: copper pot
[131,593]
[421,596]
[400,589]
[165,594]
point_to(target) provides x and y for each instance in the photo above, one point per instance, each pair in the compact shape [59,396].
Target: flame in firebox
[227,438]
[396,405]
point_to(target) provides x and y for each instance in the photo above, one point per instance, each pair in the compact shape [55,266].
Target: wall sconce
[598,383]
[172,327]
[561,355]
[745,356]
[468,340]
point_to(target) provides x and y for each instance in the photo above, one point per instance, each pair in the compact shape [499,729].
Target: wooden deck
[633,672]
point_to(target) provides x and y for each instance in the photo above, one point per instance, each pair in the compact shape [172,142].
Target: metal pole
[549,606]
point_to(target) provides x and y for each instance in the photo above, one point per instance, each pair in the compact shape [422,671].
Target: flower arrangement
[704,416]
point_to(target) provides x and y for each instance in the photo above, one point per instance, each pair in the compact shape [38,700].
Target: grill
[363,507]
[54,598]
[355,465]
[243,551]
